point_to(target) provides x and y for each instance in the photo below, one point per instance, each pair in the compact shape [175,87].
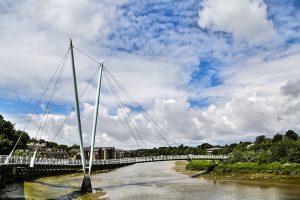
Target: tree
[260,139]
[205,146]
[23,140]
[7,131]
[292,135]
[293,154]
[277,138]
[62,147]
[51,144]
[264,157]
[5,145]
[74,146]
[280,150]
[19,152]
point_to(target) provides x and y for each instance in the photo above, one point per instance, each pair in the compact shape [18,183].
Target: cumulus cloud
[244,19]
[152,48]
[292,88]
[245,115]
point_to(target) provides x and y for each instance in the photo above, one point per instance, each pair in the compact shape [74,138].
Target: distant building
[58,154]
[211,150]
[107,153]
[120,153]
[102,153]
[87,152]
[40,146]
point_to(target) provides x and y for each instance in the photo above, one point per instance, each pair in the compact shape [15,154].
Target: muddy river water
[156,180]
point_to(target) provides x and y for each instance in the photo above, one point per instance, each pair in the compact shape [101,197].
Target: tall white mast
[77,108]
[95,118]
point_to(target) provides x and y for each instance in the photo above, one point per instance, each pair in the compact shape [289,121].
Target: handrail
[55,161]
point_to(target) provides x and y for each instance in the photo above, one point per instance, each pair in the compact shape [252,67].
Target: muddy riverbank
[148,181]
[245,178]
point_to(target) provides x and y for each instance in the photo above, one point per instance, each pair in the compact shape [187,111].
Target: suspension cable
[55,90]
[139,107]
[45,115]
[120,106]
[127,112]
[84,90]
[132,100]
[39,102]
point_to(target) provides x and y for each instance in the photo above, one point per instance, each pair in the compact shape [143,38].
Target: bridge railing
[56,161]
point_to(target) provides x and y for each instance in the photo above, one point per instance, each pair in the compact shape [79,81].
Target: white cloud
[291,88]
[249,102]
[29,57]
[246,19]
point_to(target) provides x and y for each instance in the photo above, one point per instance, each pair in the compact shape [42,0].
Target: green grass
[263,168]
[199,164]
[280,168]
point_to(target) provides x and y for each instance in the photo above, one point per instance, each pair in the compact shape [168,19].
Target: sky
[206,70]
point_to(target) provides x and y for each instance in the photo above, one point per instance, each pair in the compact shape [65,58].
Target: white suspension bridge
[10,164]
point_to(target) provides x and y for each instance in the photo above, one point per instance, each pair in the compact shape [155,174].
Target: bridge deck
[52,161]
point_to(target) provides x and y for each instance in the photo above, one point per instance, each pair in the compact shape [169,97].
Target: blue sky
[195,65]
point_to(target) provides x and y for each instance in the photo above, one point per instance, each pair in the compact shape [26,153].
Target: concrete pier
[7,175]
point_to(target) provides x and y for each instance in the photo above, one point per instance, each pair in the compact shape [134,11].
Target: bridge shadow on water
[71,195]
[14,191]
[17,191]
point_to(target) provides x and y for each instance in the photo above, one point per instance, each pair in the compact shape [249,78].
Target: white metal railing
[55,161]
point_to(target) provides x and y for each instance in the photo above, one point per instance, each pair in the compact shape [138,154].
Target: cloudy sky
[206,70]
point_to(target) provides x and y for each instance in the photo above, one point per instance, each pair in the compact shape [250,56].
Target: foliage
[255,167]
[199,164]
[8,137]
[20,152]
[260,139]
[277,138]
[291,135]
[284,149]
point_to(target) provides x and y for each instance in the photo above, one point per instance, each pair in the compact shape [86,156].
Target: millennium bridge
[20,168]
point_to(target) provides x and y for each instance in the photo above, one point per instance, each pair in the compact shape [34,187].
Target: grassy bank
[251,177]
[275,167]
[199,165]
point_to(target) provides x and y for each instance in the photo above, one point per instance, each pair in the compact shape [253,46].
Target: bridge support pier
[7,175]
[86,186]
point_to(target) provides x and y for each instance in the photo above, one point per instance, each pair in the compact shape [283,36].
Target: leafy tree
[260,139]
[19,152]
[23,140]
[280,150]
[277,138]
[264,157]
[62,147]
[292,135]
[74,146]
[293,154]
[5,145]
[205,146]
[51,144]
[73,152]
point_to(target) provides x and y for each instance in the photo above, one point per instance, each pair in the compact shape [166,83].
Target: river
[156,180]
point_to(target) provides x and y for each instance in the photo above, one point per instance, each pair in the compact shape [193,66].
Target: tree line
[280,148]
[9,135]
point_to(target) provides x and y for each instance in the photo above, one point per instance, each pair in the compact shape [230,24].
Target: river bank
[147,181]
[52,187]
[242,176]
